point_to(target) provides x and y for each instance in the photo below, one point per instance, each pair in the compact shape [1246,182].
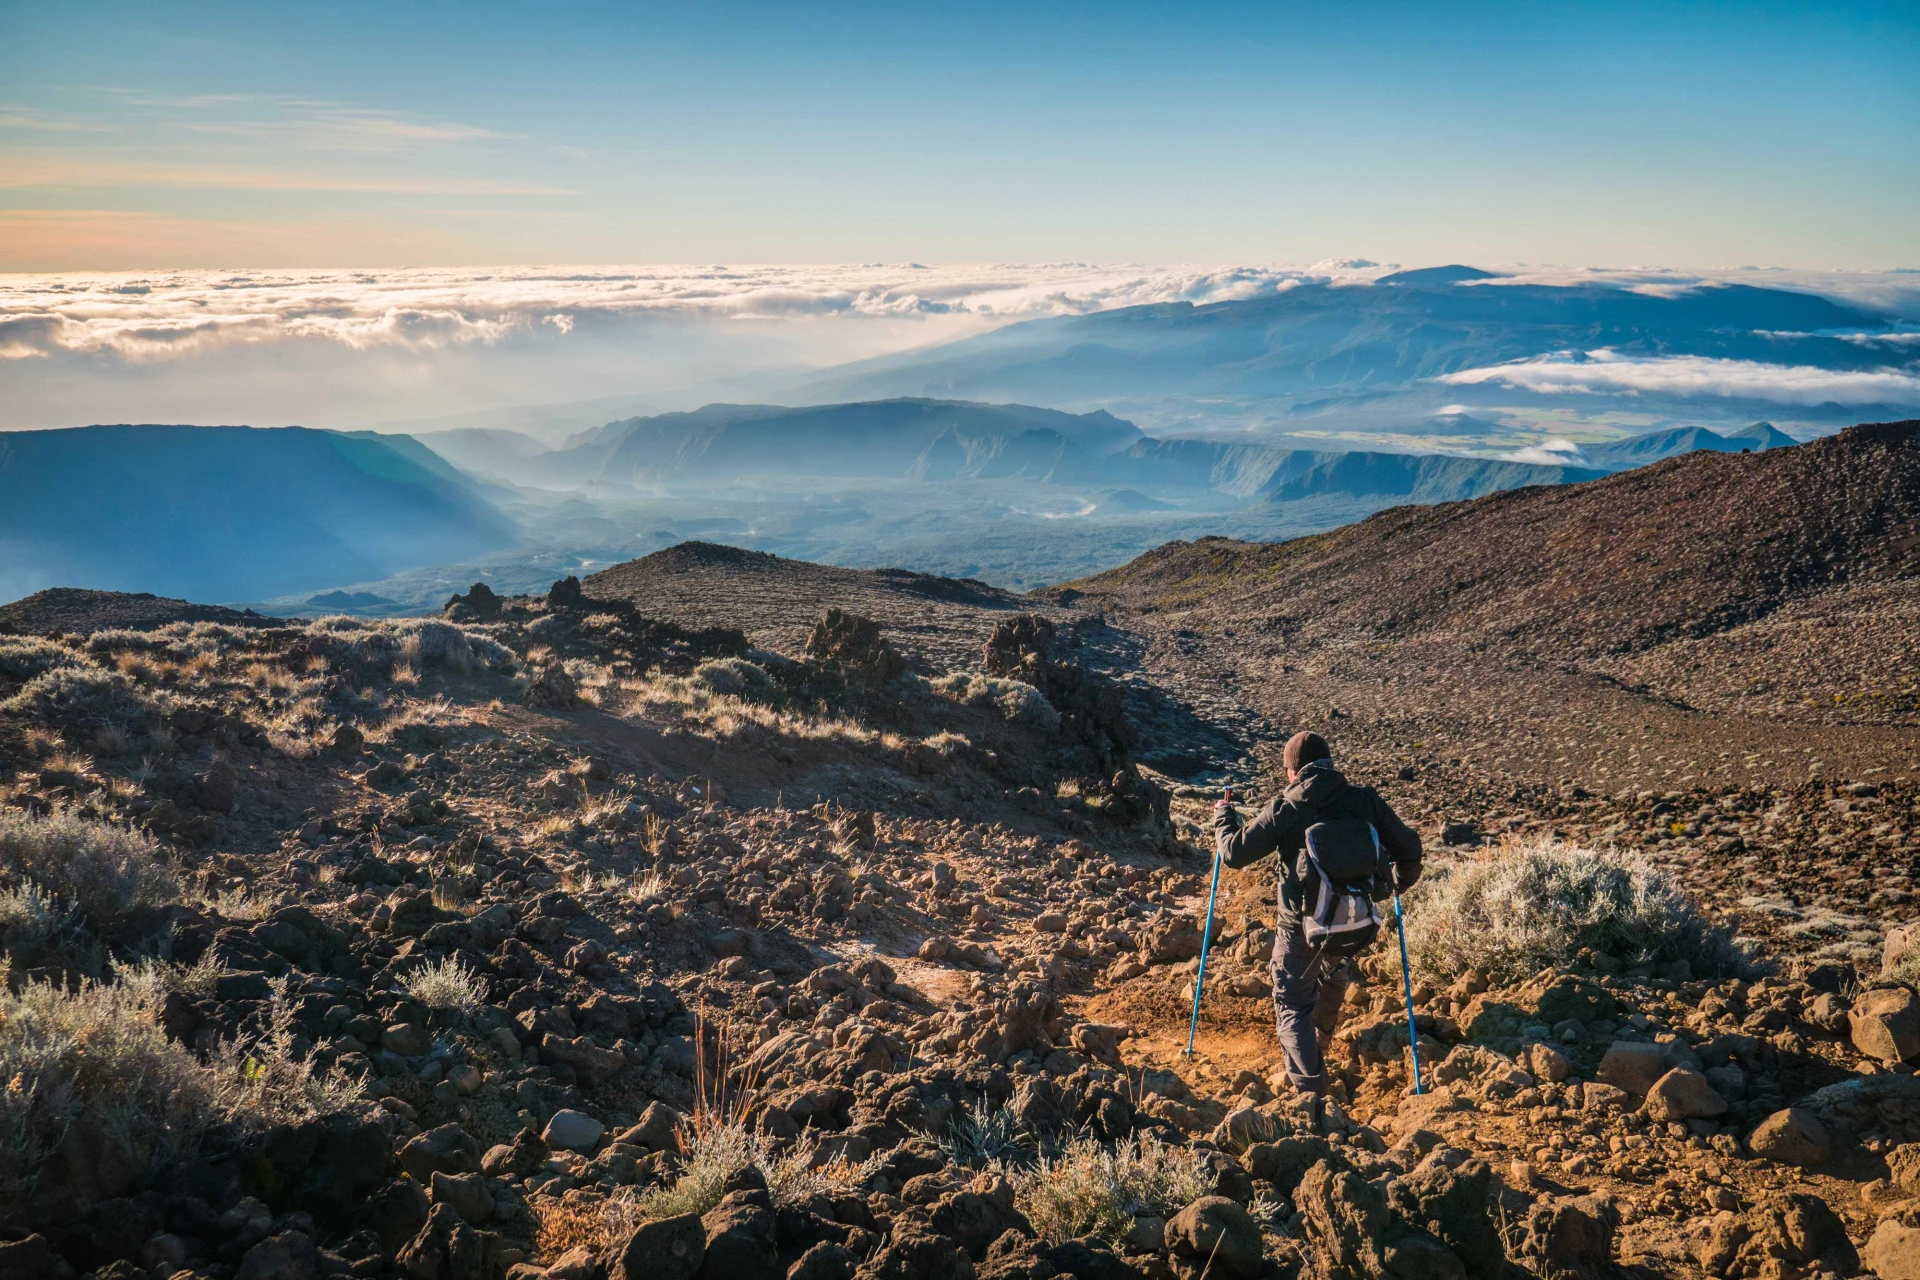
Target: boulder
[395,1213]
[1886,1024]
[1633,1066]
[448,1249]
[1903,1167]
[408,1039]
[979,1215]
[1893,1251]
[1216,1230]
[1793,1136]
[824,1261]
[1682,1094]
[1170,939]
[571,1130]
[914,1253]
[447,1149]
[288,1256]
[1352,1234]
[665,1249]
[1901,952]
[1453,1205]
[1572,1235]
[658,1129]
[32,1259]
[466,1192]
[742,1241]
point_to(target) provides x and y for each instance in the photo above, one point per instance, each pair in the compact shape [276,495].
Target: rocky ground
[642,941]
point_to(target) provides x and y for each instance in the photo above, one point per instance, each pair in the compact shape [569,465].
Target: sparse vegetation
[80,697]
[30,920]
[715,1149]
[984,1134]
[1015,701]
[446,984]
[1095,1188]
[1532,903]
[92,1067]
[24,657]
[108,873]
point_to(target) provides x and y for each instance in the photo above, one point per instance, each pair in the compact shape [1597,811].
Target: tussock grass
[985,1134]
[683,699]
[714,1150]
[1530,904]
[446,984]
[109,874]
[1093,1188]
[233,904]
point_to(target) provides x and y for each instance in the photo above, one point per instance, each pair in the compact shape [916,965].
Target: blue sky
[147,136]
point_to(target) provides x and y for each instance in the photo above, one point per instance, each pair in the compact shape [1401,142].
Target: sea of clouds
[337,347]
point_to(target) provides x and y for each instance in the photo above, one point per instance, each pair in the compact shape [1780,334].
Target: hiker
[1321,822]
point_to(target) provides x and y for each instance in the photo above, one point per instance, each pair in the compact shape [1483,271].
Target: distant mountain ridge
[1637,451]
[880,438]
[229,513]
[1345,349]
[941,440]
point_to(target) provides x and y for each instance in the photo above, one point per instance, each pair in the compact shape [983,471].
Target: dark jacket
[1318,794]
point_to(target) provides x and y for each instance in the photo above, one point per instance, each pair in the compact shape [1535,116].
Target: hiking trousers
[1304,1008]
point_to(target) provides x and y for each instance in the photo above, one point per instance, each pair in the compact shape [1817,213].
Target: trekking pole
[1206,937]
[1406,975]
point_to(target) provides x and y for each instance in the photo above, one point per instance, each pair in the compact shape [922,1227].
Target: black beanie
[1303,749]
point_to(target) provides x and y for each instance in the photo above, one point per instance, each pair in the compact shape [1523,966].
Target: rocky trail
[723,917]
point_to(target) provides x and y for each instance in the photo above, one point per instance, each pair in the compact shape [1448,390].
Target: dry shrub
[24,657]
[577,1219]
[81,697]
[1095,1189]
[94,1063]
[108,873]
[1015,701]
[31,921]
[1531,904]
[446,984]
[735,678]
[715,1149]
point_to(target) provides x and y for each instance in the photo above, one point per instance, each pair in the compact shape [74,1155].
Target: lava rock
[1793,1136]
[665,1249]
[1886,1024]
[1216,1231]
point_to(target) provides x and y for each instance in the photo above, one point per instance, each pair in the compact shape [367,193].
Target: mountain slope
[227,513]
[1782,584]
[1260,473]
[1684,547]
[882,439]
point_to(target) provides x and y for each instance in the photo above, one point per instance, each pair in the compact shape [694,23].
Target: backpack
[1344,866]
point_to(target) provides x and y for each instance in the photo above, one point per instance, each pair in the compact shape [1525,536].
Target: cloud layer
[149,315]
[161,314]
[1608,372]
